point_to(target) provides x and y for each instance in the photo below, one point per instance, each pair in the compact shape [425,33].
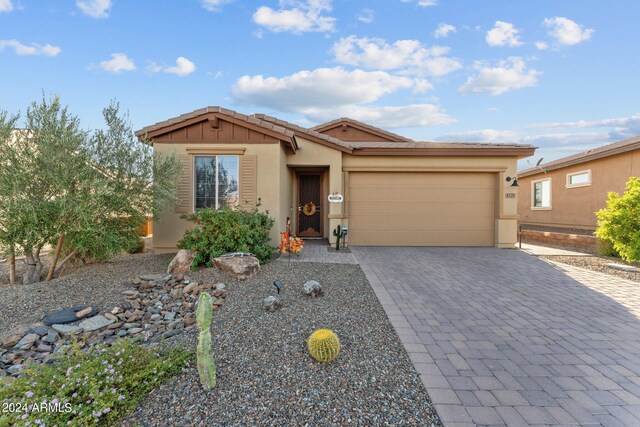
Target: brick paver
[501,337]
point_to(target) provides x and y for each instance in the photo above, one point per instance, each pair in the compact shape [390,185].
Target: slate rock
[312,288]
[151,277]
[40,330]
[238,267]
[95,323]
[27,341]
[51,337]
[67,329]
[11,340]
[14,369]
[68,315]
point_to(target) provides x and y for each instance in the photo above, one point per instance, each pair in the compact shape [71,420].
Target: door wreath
[309,209]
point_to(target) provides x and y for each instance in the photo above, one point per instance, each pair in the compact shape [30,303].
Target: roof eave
[519,152]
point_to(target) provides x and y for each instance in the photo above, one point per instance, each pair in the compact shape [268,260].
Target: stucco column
[336,210]
[507,222]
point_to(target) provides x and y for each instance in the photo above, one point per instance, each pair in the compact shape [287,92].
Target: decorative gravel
[596,263]
[96,284]
[266,377]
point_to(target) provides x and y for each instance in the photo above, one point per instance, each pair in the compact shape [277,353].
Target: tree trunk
[12,268]
[56,255]
[33,267]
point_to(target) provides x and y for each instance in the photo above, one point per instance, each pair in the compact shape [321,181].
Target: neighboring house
[563,196]
[395,191]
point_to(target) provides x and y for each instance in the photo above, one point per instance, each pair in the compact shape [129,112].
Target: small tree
[619,222]
[61,185]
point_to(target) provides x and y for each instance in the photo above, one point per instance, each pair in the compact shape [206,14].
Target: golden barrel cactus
[323,345]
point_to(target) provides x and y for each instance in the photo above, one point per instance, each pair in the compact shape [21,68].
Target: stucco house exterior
[387,189]
[563,196]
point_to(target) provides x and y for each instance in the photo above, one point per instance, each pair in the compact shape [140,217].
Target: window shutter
[185,185]
[248,182]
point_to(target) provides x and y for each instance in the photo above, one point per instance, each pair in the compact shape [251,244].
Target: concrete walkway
[500,337]
[318,251]
[550,251]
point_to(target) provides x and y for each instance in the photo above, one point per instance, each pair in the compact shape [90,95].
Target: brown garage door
[421,209]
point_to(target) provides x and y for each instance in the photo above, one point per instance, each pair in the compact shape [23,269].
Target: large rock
[95,323]
[67,329]
[69,315]
[271,304]
[238,267]
[181,263]
[312,288]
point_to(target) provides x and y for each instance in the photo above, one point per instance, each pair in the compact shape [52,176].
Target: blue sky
[562,75]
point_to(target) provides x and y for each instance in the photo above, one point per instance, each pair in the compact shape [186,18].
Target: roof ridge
[587,155]
[376,129]
[302,129]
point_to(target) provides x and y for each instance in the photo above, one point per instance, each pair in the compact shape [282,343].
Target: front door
[310,204]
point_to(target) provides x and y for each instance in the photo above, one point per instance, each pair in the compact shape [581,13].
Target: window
[579,179]
[216,182]
[541,194]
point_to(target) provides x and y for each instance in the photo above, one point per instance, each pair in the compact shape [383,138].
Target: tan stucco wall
[277,187]
[271,179]
[576,207]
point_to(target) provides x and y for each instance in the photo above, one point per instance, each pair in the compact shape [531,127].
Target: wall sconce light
[515,181]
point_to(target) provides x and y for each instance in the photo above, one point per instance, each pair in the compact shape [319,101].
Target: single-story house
[563,196]
[387,189]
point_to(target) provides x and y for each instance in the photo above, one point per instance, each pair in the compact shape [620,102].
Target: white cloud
[567,32]
[183,67]
[482,135]
[98,9]
[215,5]
[423,3]
[509,74]
[444,30]
[387,117]
[617,128]
[366,15]
[118,63]
[409,55]
[321,88]
[6,6]
[33,49]
[541,45]
[296,16]
[503,34]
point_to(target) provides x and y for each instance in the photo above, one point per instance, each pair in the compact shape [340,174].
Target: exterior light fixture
[515,181]
[279,284]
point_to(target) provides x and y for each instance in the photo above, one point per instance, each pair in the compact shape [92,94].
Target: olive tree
[619,222]
[87,191]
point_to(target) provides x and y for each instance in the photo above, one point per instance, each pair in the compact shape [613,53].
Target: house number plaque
[335,198]
[510,195]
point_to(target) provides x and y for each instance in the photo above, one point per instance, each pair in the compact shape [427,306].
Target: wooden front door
[310,204]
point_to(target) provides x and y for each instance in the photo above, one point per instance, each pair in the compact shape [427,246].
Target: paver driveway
[501,337]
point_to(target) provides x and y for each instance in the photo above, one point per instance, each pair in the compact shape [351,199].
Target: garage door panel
[421,209]
[421,195]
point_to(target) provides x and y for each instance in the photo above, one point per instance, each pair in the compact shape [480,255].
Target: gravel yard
[96,284]
[265,376]
[596,263]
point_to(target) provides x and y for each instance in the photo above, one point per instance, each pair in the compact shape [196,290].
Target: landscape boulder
[271,304]
[312,288]
[70,315]
[181,263]
[238,267]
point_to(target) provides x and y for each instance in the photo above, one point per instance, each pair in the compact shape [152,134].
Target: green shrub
[221,231]
[87,388]
[605,248]
[619,222]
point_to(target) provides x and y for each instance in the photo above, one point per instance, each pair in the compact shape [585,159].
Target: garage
[422,208]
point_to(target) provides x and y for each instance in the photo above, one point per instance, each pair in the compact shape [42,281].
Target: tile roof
[430,144]
[305,131]
[224,111]
[585,156]
[373,129]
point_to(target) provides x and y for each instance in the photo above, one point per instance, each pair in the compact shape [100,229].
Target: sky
[560,75]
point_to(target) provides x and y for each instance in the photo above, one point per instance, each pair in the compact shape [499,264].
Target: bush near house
[94,387]
[619,222]
[221,231]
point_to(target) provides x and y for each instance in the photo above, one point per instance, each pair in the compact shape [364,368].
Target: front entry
[310,204]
